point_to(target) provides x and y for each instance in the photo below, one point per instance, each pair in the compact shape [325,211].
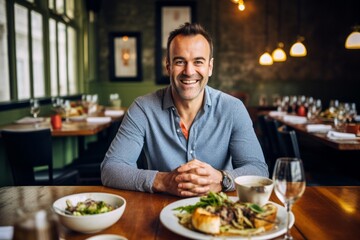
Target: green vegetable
[255,208]
[89,207]
[212,199]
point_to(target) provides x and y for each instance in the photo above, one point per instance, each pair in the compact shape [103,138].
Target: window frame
[41,7]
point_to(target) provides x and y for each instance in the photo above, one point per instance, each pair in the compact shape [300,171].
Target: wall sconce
[353,40]
[125,52]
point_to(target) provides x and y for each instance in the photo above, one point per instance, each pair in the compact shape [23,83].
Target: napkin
[318,128]
[6,232]
[98,119]
[340,135]
[295,119]
[276,114]
[114,113]
[29,120]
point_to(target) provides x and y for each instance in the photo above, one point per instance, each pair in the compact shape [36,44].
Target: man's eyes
[181,62]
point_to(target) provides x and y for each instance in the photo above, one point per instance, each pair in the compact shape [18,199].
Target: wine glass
[34,107]
[289,184]
[66,106]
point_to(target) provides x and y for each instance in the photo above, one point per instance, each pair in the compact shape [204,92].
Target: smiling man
[196,139]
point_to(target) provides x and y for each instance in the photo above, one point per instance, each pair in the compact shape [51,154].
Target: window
[44,47]
[4,66]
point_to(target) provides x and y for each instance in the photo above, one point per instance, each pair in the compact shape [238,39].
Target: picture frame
[169,16]
[125,56]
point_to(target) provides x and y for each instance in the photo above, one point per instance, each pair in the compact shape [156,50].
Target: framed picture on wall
[125,56]
[169,16]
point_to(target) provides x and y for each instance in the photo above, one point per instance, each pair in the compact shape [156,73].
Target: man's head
[189,62]
[189,29]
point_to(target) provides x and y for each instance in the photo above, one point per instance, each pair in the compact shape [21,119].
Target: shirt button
[191,151]
[178,130]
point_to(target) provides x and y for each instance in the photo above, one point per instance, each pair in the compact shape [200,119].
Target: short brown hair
[189,29]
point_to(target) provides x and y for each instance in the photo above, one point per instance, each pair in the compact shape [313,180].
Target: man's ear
[211,64]
[167,64]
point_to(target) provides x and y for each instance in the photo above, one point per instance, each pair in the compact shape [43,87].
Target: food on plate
[205,221]
[217,214]
[88,207]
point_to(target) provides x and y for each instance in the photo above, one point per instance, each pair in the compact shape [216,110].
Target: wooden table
[321,137]
[79,129]
[322,212]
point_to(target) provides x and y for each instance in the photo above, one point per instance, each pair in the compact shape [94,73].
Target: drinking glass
[34,107]
[289,184]
[67,109]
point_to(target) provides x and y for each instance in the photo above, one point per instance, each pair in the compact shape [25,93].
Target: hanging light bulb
[279,54]
[241,5]
[353,40]
[266,59]
[298,49]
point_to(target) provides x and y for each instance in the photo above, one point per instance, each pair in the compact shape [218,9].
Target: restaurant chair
[30,157]
[288,143]
[88,164]
[273,139]
[263,137]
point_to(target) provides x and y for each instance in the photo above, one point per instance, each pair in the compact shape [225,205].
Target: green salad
[88,207]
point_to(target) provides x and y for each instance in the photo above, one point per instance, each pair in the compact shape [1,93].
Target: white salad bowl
[90,223]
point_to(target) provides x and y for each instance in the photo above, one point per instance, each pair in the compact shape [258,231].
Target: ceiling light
[353,40]
[298,49]
[241,5]
[266,59]
[279,54]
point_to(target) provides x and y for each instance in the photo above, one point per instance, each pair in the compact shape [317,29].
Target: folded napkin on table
[6,232]
[28,120]
[340,135]
[114,113]
[98,119]
[295,119]
[276,114]
[318,127]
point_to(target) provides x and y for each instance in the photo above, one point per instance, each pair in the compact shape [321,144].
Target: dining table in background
[78,127]
[320,137]
[321,213]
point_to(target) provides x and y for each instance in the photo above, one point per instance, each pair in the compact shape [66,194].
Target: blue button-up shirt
[221,135]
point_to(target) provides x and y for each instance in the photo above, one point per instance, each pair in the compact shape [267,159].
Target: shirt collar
[168,101]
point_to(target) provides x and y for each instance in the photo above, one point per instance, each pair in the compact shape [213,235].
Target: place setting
[255,216]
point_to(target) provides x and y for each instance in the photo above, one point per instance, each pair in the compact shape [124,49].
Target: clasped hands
[194,178]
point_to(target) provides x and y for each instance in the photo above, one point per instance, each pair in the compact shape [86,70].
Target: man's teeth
[188,81]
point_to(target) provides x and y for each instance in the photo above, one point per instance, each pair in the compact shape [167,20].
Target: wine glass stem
[288,212]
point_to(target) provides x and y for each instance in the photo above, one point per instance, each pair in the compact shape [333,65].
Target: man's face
[189,66]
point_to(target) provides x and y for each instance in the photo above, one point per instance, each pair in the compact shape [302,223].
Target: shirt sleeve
[119,167]
[246,152]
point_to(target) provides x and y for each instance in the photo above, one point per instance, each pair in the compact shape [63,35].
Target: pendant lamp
[266,59]
[279,54]
[298,49]
[353,40]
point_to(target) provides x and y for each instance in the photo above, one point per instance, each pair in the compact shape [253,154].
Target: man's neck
[188,110]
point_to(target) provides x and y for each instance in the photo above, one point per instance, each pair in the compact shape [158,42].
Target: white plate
[170,221]
[107,237]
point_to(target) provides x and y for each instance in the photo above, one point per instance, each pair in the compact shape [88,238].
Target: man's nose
[189,69]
